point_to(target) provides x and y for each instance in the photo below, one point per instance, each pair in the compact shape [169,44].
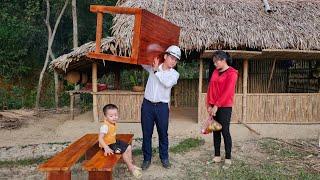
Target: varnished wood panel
[100,162]
[155,31]
[59,175]
[69,156]
[151,35]
[100,175]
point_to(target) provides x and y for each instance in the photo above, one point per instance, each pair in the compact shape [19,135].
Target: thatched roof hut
[218,24]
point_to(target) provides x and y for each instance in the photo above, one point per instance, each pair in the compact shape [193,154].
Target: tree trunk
[75,41]
[56,80]
[75,23]
[50,41]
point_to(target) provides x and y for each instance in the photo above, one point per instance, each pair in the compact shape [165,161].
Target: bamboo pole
[94,90]
[164,9]
[245,89]
[95,67]
[244,97]
[271,74]
[72,106]
[200,88]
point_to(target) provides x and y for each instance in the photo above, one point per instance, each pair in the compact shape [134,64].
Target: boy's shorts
[119,146]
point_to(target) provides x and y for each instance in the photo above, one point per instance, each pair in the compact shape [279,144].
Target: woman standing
[220,96]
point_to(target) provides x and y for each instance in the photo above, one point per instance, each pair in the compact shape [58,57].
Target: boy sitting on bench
[108,142]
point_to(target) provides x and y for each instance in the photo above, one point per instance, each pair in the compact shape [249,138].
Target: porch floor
[189,114]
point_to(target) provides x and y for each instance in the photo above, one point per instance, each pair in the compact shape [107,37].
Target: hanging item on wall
[75,77]
[72,77]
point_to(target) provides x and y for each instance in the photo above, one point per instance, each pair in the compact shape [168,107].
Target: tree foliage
[24,41]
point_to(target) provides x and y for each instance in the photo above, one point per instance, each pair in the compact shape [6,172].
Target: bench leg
[100,175]
[59,175]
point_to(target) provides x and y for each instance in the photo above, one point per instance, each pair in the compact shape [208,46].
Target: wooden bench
[100,166]
[58,167]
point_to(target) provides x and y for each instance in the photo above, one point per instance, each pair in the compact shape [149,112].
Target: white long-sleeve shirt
[158,88]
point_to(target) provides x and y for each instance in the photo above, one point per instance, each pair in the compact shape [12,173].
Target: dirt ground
[50,127]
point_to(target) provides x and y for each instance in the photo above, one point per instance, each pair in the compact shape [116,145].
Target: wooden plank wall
[274,108]
[129,105]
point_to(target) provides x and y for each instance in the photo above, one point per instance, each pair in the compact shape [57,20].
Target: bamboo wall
[129,104]
[259,74]
[236,110]
[185,93]
[303,77]
[274,108]
[258,77]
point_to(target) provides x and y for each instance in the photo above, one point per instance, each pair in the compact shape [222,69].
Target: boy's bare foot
[136,172]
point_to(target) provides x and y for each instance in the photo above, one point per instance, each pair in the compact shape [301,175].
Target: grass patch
[59,143]
[242,170]
[273,147]
[137,152]
[184,146]
[308,176]
[23,162]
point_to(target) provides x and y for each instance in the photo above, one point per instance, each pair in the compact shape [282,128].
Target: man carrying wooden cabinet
[155,106]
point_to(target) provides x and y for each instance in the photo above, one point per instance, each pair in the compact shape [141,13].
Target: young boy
[107,139]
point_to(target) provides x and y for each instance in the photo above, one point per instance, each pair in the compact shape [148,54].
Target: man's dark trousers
[154,113]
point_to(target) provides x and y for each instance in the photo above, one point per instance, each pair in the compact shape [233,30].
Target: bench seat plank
[69,156]
[99,162]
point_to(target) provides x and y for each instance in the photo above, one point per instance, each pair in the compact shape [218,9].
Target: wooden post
[95,67]
[94,90]
[200,88]
[72,105]
[271,74]
[244,97]
[245,90]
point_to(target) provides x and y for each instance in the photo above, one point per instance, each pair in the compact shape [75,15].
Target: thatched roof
[220,24]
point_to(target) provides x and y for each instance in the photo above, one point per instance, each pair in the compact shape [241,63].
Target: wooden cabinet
[151,35]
